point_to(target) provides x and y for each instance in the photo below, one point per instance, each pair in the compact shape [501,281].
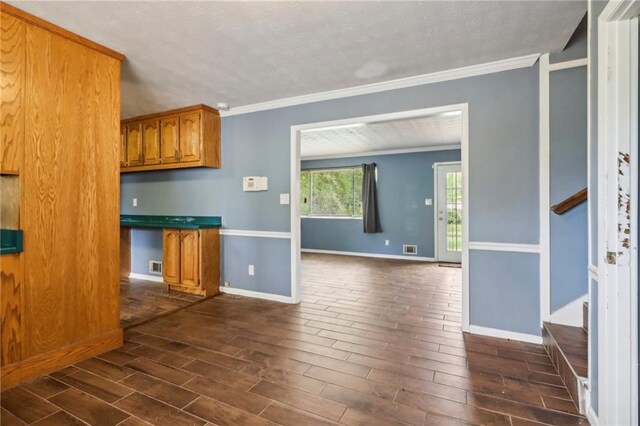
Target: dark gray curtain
[370,215]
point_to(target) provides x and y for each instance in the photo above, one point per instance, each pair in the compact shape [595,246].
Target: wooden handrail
[571,202]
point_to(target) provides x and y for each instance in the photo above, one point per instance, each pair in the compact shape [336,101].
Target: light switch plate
[284,198]
[428,202]
[135,202]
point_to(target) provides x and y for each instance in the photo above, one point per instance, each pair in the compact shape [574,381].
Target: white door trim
[544,190]
[617,192]
[435,201]
[295,190]
[545,70]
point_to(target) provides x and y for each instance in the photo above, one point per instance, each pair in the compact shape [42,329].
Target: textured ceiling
[181,53]
[411,133]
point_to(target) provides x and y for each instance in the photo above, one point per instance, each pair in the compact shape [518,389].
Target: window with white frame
[331,192]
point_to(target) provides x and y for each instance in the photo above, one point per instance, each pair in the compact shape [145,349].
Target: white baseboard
[256,294]
[146,277]
[380,256]
[592,417]
[570,314]
[504,334]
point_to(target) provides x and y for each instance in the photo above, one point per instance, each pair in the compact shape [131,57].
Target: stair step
[567,347]
[585,316]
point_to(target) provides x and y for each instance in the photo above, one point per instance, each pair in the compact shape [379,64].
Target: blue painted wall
[503,172]
[270,258]
[506,283]
[146,245]
[568,174]
[404,181]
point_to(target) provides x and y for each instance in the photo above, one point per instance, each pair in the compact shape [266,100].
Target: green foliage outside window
[336,192]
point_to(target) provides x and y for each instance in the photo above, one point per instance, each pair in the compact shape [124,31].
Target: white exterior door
[448,213]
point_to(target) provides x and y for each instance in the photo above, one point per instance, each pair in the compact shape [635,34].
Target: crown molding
[401,83]
[382,152]
[556,66]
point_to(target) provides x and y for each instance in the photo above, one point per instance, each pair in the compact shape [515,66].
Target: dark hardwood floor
[142,301]
[374,342]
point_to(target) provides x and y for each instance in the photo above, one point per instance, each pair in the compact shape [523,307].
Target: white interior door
[449,212]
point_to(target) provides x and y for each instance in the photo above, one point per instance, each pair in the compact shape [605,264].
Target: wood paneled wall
[70,196]
[12,67]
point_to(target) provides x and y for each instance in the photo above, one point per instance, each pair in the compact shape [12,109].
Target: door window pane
[454,211]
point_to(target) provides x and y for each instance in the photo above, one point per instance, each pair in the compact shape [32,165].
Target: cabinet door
[134,144]
[171,255]
[123,146]
[190,136]
[190,257]
[151,142]
[169,140]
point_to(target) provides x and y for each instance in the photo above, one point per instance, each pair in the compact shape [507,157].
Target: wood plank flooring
[374,342]
[142,301]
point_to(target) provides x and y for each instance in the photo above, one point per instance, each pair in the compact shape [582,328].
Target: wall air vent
[409,249]
[155,267]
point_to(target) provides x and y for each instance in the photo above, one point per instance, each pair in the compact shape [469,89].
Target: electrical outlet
[135,202]
[251,270]
[226,284]
[386,242]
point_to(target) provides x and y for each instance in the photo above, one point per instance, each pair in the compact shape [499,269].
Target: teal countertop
[10,241]
[181,222]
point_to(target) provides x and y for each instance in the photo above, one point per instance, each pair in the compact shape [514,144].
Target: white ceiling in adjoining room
[188,52]
[402,134]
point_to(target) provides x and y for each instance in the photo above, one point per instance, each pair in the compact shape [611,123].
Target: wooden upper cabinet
[123,146]
[170,140]
[134,145]
[151,142]
[188,137]
[190,257]
[12,92]
[171,255]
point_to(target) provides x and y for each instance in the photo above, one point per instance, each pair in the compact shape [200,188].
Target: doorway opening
[309,206]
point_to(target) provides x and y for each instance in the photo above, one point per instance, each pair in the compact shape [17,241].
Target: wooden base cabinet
[191,260]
